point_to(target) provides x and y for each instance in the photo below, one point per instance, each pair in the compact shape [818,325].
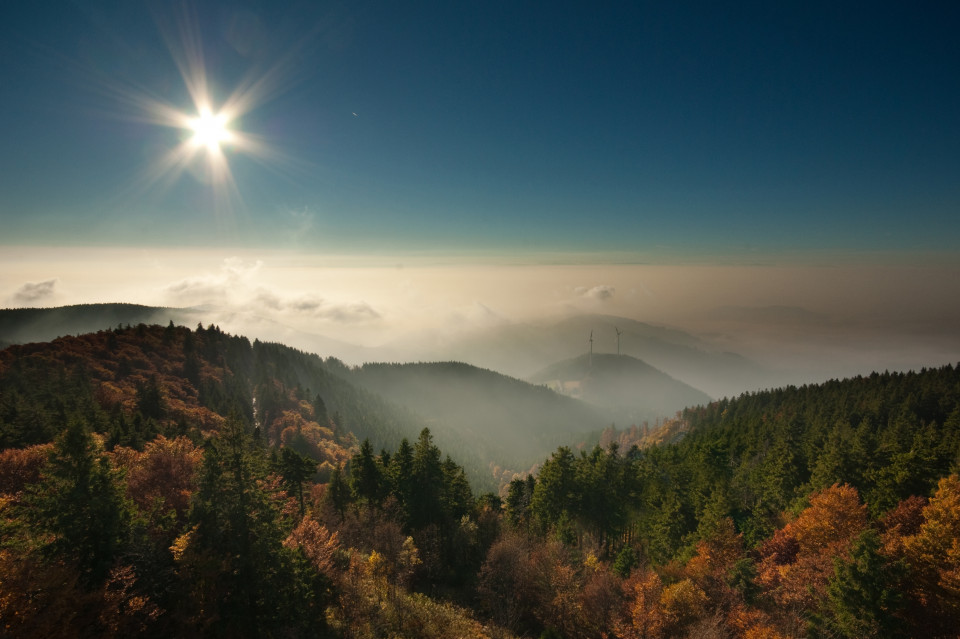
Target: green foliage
[80,501]
[244,582]
[295,469]
[864,596]
[625,562]
[367,476]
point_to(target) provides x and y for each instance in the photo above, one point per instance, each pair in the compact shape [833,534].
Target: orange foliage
[42,600]
[835,516]
[22,466]
[798,561]
[117,361]
[645,616]
[163,473]
[716,555]
[750,622]
[316,542]
[903,521]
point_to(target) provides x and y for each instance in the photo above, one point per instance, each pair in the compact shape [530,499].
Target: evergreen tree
[864,596]
[295,469]
[366,476]
[81,502]
[428,480]
[245,583]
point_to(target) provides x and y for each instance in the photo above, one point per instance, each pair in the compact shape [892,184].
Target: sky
[500,156]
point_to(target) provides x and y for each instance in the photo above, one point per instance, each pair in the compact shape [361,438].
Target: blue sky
[661,129]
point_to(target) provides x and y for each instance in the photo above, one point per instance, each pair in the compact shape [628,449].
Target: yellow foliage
[683,602]
[591,562]
[181,543]
[377,564]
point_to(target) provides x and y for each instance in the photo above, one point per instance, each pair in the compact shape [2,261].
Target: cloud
[196,290]
[33,292]
[240,286]
[267,299]
[600,292]
[344,313]
[214,288]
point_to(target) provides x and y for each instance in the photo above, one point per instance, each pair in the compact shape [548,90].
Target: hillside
[133,383]
[149,485]
[507,422]
[631,390]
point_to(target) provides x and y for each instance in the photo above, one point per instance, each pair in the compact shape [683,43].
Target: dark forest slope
[507,421]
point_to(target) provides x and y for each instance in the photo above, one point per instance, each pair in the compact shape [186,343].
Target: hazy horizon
[780,181]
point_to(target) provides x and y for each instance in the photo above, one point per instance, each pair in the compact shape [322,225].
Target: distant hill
[24,325]
[505,420]
[518,350]
[522,350]
[631,389]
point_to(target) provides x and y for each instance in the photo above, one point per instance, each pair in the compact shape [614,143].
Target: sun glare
[210,130]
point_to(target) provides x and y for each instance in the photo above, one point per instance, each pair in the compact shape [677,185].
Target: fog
[800,321]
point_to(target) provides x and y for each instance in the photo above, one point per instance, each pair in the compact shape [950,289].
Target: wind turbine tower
[619,332]
[590,360]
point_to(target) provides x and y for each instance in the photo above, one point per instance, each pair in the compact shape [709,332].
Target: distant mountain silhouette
[518,350]
[631,389]
[521,350]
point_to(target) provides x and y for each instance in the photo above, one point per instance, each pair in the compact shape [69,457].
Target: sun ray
[208,133]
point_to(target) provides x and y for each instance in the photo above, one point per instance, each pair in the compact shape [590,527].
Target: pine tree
[81,502]
[863,597]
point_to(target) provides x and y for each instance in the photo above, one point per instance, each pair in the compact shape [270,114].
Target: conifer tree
[81,502]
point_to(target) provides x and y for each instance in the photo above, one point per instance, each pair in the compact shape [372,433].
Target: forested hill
[165,497]
[890,435]
[508,422]
[629,389]
[829,510]
[136,382]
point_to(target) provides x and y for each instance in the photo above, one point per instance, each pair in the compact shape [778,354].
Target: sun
[210,130]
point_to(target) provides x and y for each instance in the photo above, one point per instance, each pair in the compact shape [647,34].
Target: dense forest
[168,482]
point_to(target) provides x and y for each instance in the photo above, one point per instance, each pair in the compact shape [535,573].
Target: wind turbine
[619,332]
[590,361]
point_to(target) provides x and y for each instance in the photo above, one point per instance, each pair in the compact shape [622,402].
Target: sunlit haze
[380,181]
